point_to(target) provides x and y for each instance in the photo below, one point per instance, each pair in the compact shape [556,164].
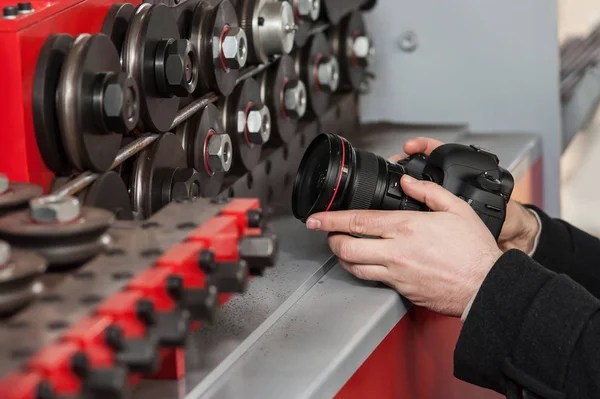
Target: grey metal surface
[303,329]
[470,68]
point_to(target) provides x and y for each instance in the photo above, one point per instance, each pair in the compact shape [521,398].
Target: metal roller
[208,149]
[15,195]
[109,192]
[19,278]
[319,70]
[83,103]
[58,229]
[222,46]
[270,26]
[164,65]
[159,175]
[248,122]
[285,95]
[354,49]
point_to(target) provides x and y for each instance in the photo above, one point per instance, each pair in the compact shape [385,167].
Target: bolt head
[181,73]
[120,103]
[308,10]
[4,183]
[258,124]
[54,209]
[220,153]
[295,99]
[259,252]
[186,184]
[4,253]
[234,48]
[362,49]
[328,74]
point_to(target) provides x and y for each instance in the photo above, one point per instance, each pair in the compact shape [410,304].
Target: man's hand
[437,260]
[520,227]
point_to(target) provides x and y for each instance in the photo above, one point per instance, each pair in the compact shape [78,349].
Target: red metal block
[55,364]
[20,385]
[239,208]
[183,260]
[89,335]
[121,309]
[152,284]
[220,234]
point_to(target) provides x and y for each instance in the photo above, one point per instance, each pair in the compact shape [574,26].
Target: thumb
[431,194]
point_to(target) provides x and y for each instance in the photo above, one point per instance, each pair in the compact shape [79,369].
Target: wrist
[524,236]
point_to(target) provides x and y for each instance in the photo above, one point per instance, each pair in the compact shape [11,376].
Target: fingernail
[313,224]
[409,179]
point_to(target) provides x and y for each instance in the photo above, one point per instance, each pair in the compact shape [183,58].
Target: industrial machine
[147,248]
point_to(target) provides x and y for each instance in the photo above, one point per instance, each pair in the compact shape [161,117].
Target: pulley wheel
[19,280]
[195,136]
[273,83]
[306,62]
[88,146]
[233,110]
[116,23]
[45,121]
[110,193]
[208,24]
[166,153]
[62,245]
[352,69]
[18,195]
[149,25]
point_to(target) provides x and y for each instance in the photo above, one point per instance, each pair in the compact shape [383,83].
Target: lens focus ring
[367,170]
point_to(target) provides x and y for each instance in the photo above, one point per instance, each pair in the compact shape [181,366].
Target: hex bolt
[4,253]
[181,70]
[258,124]
[295,99]
[362,50]
[25,7]
[54,209]
[10,12]
[185,184]
[206,261]
[113,336]
[328,74]
[255,218]
[4,183]
[219,151]
[120,103]
[146,312]
[308,10]
[234,48]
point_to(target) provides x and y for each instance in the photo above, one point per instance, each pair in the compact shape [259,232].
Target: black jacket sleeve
[565,249]
[533,329]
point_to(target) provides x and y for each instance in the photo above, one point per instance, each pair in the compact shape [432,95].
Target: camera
[333,175]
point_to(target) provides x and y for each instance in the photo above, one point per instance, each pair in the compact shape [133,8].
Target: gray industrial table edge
[303,329]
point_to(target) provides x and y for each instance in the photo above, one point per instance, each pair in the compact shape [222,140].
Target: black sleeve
[565,249]
[533,329]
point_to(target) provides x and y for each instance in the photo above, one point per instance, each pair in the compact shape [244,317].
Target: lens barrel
[333,175]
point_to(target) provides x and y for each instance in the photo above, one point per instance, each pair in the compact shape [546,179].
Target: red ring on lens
[337,186]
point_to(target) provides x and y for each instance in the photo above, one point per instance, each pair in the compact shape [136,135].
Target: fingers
[367,272]
[366,223]
[421,145]
[433,195]
[397,157]
[360,250]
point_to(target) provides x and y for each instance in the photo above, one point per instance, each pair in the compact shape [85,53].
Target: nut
[219,153]
[185,184]
[328,74]
[294,99]
[308,10]
[362,50]
[181,72]
[259,252]
[54,209]
[258,124]
[4,183]
[234,48]
[4,253]
[120,103]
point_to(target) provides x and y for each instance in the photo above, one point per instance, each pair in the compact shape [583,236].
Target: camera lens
[333,175]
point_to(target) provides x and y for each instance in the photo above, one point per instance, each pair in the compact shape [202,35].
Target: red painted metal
[20,385]
[20,43]
[415,360]
[54,363]
[89,336]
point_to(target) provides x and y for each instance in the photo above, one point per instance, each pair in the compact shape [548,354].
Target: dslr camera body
[335,176]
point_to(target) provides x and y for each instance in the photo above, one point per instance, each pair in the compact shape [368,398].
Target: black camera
[335,176]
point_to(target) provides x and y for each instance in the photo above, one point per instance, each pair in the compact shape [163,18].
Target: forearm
[524,328]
